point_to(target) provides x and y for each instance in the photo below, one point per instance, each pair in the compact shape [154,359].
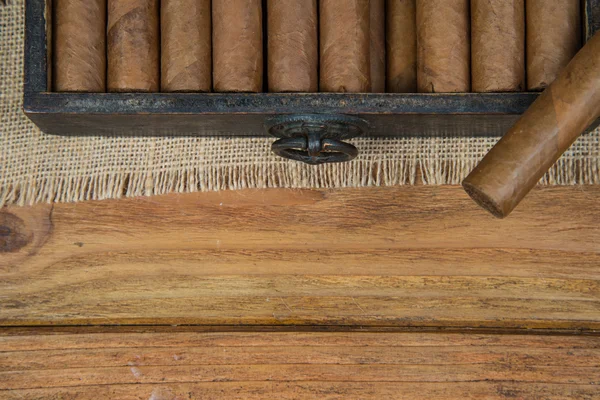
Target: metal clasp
[316,138]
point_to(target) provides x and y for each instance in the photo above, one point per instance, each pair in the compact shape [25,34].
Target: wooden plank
[316,390]
[298,365]
[389,257]
[53,339]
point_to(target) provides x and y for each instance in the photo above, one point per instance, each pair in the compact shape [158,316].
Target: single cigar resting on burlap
[558,117]
[186,50]
[345,46]
[401,49]
[553,37]
[79,48]
[443,46]
[377,46]
[293,46]
[237,45]
[133,46]
[498,45]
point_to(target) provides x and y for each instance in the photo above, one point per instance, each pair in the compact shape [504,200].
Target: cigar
[133,46]
[186,49]
[401,46]
[497,45]
[521,158]
[345,46]
[553,37]
[79,46]
[377,46]
[237,45]
[443,46]
[293,46]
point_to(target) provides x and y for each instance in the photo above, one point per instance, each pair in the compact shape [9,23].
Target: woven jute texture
[40,168]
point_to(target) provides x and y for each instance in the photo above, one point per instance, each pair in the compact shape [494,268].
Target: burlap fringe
[268,175]
[566,171]
[232,177]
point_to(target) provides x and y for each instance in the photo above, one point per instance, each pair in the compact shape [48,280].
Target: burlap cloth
[40,168]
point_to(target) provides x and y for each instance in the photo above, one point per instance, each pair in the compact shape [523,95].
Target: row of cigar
[398,46]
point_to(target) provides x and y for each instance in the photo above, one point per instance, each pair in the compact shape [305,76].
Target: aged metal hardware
[316,138]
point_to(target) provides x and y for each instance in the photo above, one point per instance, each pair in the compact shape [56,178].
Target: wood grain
[408,257]
[298,365]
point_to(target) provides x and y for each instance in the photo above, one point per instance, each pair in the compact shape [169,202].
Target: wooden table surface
[407,292]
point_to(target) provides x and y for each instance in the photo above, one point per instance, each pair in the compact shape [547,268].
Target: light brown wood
[298,365]
[409,257]
[317,390]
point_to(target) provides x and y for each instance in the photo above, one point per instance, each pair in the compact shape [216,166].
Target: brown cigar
[377,46]
[401,46]
[553,38]
[443,47]
[293,46]
[186,48]
[498,45]
[520,159]
[79,46]
[345,46]
[133,46]
[237,46]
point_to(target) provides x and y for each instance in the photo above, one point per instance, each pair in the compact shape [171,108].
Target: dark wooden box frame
[213,114]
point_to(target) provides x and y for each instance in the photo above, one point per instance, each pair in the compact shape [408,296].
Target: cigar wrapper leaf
[542,134]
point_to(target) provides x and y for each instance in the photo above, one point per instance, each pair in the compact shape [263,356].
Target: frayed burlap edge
[231,177]
[357,174]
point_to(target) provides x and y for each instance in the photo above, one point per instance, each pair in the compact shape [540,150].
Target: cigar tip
[483,200]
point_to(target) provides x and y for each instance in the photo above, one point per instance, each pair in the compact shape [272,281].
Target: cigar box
[283,115]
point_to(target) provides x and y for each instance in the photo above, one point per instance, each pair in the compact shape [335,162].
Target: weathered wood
[390,257]
[54,340]
[320,390]
[298,365]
